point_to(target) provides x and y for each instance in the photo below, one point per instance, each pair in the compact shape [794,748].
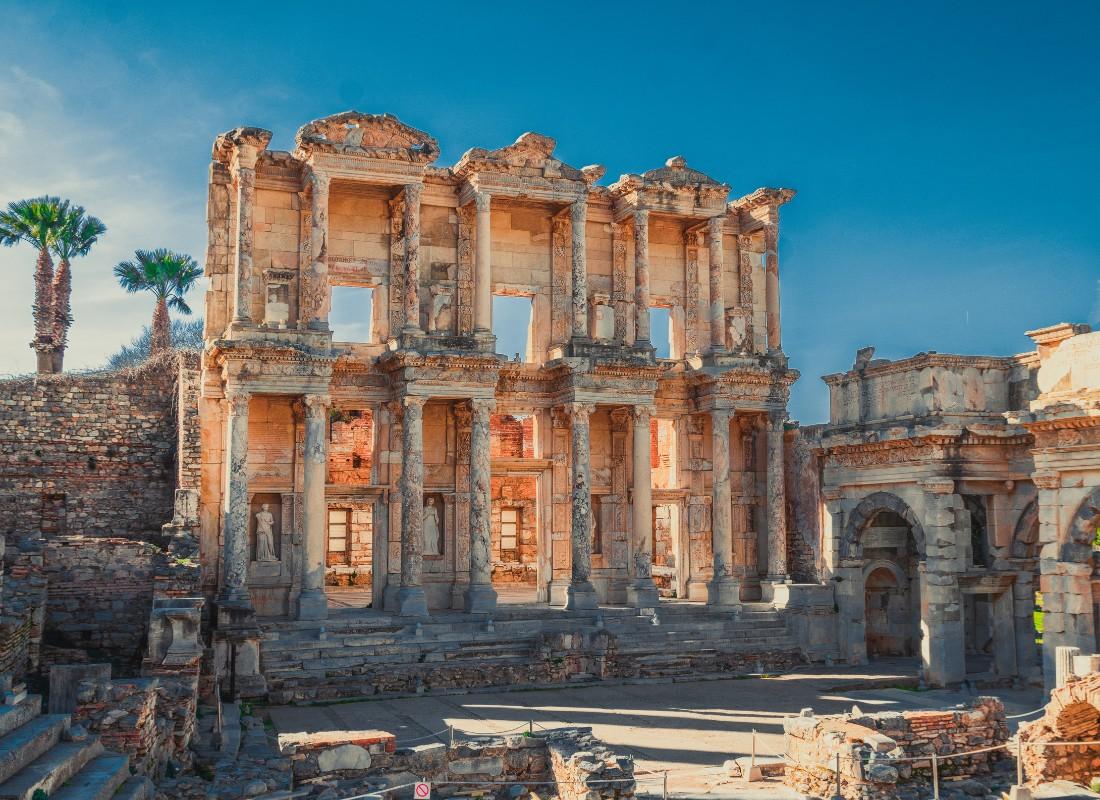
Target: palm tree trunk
[42,308]
[161,339]
[62,312]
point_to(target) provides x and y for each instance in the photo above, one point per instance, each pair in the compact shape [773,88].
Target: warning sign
[422,791]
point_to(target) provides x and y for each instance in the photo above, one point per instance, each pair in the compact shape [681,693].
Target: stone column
[314,292]
[480,597]
[411,600]
[578,213]
[724,589]
[641,279]
[235,500]
[1004,634]
[771,265]
[717,300]
[242,266]
[581,594]
[412,257]
[642,591]
[777,502]
[942,640]
[313,604]
[483,271]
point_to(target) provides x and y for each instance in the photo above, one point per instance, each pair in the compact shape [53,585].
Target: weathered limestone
[777,503]
[315,291]
[483,265]
[771,255]
[411,600]
[312,603]
[412,258]
[581,594]
[642,591]
[242,266]
[724,589]
[235,512]
[641,279]
[578,214]
[480,597]
[715,226]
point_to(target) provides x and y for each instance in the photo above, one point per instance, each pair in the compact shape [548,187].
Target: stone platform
[361,652]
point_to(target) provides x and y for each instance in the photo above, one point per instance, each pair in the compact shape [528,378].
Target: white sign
[422,791]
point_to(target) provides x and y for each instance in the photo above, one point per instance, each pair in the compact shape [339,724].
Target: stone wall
[888,755]
[89,454]
[802,466]
[1072,715]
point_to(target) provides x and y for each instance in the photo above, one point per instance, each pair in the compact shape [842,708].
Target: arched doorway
[891,586]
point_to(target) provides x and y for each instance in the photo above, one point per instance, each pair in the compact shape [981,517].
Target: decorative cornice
[375,136]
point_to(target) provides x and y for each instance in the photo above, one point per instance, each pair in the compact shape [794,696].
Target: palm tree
[75,238]
[36,222]
[168,276]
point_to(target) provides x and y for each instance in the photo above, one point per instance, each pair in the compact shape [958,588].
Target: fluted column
[724,589]
[717,299]
[777,502]
[578,213]
[642,591]
[411,600]
[235,500]
[581,594]
[313,604]
[480,597]
[641,279]
[242,265]
[771,264]
[483,270]
[411,225]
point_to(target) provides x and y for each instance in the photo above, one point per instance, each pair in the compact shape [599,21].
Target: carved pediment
[531,155]
[381,136]
[227,143]
[675,178]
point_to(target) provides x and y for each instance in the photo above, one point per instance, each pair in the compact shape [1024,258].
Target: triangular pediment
[373,135]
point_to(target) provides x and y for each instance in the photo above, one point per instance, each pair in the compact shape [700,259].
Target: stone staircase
[361,652]
[41,753]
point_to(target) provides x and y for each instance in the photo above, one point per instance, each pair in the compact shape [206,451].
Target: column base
[556,593]
[312,604]
[239,599]
[481,598]
[724,592]
[412,602]
[581,597]
[642,593]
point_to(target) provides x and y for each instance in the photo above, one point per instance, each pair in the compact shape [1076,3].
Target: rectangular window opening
[351,314]
[339,522]
[512,317]
[660,330]
[509,530]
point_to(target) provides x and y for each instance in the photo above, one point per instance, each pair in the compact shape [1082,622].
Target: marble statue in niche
[603,317]
[433,529]
[265,535]
[441,313]
[277,298]
[736,329]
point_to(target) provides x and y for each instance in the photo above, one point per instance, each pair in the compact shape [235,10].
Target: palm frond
[77,233]
[35,221]
[167,274]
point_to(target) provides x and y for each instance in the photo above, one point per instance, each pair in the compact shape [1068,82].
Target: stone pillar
[314,294]
[777,502]
[642,591]
[235,499]
[942,636]
[1004,634]
[771,264]
[412,257]
[242,266]
[1063,664]
[578,213]
[641,279]
[313,604]
[483,271]
[1027,652]
[717,300]
[581,594]
[724,589]
[480,597]
[411,600]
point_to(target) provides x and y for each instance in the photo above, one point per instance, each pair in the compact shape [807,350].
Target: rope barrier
[1027,713]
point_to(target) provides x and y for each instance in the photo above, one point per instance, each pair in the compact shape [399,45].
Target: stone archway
[886,609]
[863,514]
[1084,529]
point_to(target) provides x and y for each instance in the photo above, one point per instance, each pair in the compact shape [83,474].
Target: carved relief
[380,136]
[465,305]
[694,243]
[561,308]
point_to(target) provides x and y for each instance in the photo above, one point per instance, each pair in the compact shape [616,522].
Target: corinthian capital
[643,414]
[482,200]
[316,406]
[237,400]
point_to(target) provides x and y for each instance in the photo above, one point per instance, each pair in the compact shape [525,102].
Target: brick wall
[511,437]
[89,454]
[350,447]
[1072,715]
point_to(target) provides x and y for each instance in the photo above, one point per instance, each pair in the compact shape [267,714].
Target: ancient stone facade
[474,470]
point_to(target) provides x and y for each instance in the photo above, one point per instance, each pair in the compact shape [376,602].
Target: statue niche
[266,529]
[433,525]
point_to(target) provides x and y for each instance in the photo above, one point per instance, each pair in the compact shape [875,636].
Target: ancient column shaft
[771,264]
[313,604]
[412,256]
[724,589]
[581,594]
[480,597]
[641,278]
[315,290]
[242,267]
[717,300]
[578,213]
[777,502]
[483,272]
[235,512]
[642,592]
[410,597]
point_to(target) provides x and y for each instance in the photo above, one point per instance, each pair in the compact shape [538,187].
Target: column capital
[413,403]
[579,412]
[237,399]
[720,415]
[316,405]
[482,405]
[643,414]
[413,192]
[715,226]
[776,418]
[641,217]
[318,181]
[578,208]
[482,200]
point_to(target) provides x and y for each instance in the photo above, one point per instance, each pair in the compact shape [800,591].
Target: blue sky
[945,154]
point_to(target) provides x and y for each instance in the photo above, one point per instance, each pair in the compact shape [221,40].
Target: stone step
[27,742]
[137,787]
[12,717]
[99,780]
[51,770]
